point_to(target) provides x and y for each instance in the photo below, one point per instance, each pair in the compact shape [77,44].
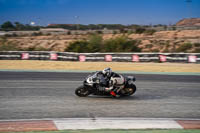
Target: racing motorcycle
[95,85]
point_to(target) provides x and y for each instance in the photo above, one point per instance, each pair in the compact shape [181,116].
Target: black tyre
[82,91]
[129,90]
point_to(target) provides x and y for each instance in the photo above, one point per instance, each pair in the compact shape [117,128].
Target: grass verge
[94,66]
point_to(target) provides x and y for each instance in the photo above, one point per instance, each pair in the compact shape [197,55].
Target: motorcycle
[95,85]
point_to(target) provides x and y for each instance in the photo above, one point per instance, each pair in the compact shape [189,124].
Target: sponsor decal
[135,58]
[192,58]
[53,56]
[82,58]
[25,56]
[162,58]
[108,57]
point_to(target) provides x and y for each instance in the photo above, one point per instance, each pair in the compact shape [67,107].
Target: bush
[32,48]
[69,33]
[155,50]
[114,32]
[173,28]
[197,44]
[78,46]
[150,32]
[184,47]
[139,30]
[9,47]
[197,50]
[96,44]
[120,44]
[36,34]
[11,35]
[149,45]
[48,34]
[166,50]
[99,32]
[130,32]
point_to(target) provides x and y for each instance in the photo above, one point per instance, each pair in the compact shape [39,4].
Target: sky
[143,12]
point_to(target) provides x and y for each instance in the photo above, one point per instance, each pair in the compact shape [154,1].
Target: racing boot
[114,93]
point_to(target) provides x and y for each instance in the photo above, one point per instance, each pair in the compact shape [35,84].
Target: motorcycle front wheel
[129,90]
[82,91]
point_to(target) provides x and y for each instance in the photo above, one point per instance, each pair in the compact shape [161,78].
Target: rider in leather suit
[111,79]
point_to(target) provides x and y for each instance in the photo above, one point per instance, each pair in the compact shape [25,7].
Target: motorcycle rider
[112,80]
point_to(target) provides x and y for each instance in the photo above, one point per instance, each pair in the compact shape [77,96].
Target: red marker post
[108,58]
[192,59]
[53,56]
[162,58]
[135,58]
[25,56]
[82,58]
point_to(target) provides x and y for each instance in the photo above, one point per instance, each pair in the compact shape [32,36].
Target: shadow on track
[137,97]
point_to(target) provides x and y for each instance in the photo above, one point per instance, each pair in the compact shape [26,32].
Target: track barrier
[108,57]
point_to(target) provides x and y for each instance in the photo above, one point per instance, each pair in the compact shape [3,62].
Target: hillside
[189,22]
[163,41]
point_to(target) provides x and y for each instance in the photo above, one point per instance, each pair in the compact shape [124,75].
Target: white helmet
[107,72]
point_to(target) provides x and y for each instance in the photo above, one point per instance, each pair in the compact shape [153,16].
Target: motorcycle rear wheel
[82,91]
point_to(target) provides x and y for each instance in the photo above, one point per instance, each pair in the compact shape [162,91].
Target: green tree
[150,31]
[95,43]
[78,46]
[19,26]
[121,44]
[7,26]
[140,30]
[184,47]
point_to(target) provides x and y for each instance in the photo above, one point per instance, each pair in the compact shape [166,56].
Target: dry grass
[158,40]
[116,66]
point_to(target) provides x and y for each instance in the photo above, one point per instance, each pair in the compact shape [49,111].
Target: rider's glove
[110,83]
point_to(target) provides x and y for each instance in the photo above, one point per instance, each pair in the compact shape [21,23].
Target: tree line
[9,26]
[100,26]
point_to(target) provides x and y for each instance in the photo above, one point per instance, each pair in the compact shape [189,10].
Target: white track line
[115,123]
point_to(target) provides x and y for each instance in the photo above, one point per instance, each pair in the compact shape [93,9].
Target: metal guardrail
[108,57]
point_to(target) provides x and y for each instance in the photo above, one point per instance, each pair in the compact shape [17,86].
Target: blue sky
[126,12]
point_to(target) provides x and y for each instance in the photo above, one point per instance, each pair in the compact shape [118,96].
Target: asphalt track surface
[36,95]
